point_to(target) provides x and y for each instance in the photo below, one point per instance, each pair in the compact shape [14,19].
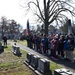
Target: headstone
[13,48]
[34,61]
[16,50]
[63,71]
[44,66]
[28,58]
[1,47]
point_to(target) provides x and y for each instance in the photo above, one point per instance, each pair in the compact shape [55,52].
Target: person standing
[66,46]
[45,44]
[36,42]
[5,40]
[28,40]
[61,47]
[71,47]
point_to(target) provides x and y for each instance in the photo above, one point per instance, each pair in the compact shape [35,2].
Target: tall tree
[3,25]
[14,27]
[49,11]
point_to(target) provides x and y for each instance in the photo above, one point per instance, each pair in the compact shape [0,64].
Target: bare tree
[3,25]
[9,27]
[14,27]
[49,11]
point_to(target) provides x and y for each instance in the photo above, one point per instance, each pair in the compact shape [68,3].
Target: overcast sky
[12,10]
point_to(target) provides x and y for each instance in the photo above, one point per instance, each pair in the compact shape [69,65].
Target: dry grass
[13,65]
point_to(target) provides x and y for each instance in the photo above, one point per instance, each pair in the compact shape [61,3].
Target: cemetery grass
[21,42]
[53,65]
[24,42]
[11,64]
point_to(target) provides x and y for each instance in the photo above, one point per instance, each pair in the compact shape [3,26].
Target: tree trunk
[46,28]
[46,18]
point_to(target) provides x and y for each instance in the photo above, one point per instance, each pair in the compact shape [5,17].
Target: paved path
[64,63]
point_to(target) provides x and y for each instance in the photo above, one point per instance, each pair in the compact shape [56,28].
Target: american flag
[27,30]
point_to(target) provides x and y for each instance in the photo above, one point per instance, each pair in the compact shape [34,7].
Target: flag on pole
[27,30]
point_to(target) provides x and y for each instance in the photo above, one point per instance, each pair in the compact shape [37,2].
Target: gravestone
[63,71]
[34,61]
[1,48]
[44,66]
[28,58]
[16,50]
[13,48]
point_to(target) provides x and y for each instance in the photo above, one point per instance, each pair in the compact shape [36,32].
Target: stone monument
[44,67]
[63,71]
[34,61]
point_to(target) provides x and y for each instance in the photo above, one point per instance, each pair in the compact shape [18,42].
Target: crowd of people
[56,46]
